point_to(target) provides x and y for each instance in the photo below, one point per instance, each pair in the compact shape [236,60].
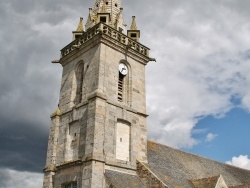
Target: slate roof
[121,180]
[177,168]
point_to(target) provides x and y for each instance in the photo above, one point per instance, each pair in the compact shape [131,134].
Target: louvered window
[103,19]
[120,87]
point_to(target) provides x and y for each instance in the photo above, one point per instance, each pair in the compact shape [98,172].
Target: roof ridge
[213,160]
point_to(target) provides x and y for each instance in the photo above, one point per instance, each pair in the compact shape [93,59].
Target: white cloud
[242,161]
[246,101]
[16,179]
[210,137]
[202,62]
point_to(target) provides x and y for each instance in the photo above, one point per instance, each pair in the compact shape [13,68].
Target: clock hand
[123,69]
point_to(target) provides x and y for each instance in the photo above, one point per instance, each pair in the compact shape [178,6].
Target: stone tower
[100,123]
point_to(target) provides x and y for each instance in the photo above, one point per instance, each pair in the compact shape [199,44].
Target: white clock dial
[123,69]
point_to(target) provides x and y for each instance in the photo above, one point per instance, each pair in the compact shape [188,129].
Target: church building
[98,134]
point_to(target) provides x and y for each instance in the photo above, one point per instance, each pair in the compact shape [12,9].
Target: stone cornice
[127,50]
[96,94]
[91,43]
[102,96]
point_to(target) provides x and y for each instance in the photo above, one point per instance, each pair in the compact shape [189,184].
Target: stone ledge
[84,103]
[114,103]
[50,168]
[111,162]
[69,164]
[93,157]
[96,94]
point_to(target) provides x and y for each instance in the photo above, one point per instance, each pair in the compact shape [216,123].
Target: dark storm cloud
[29,83]
[23,146]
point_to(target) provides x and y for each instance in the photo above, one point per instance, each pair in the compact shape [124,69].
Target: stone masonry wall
[69,84]
[87,131]
[108,78]
[67,175]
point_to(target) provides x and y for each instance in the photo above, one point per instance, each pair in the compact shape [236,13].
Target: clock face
[123,69]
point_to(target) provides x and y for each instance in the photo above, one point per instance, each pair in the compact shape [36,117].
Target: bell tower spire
[80,25]
[104,7]
[111,7]
[79,30]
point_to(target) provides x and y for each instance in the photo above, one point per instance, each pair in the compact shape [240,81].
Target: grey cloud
[16,179]
[32,33]
[3,177]
[29,85]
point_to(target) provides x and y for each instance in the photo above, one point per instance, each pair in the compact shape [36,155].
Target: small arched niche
[79,75]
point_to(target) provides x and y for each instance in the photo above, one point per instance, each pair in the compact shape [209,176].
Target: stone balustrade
[102,28]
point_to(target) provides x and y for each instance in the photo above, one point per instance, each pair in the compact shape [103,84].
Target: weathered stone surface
[86,128]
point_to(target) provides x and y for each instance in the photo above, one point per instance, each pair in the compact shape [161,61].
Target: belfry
[100,123]
[98,133]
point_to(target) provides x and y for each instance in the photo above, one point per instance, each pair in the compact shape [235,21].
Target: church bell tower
[100,122]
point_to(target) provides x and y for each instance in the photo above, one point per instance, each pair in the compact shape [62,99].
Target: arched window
[79,81]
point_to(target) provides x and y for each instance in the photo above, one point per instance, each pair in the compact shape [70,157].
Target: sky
[198,91]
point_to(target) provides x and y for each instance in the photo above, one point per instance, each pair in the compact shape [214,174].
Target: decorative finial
[134,33]
[109,9]
[133,25]
[80,25]
[56,113]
